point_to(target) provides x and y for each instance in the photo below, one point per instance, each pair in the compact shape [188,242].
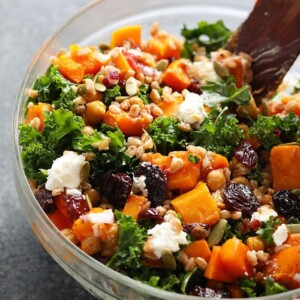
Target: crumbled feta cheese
[297,277]
[164,237]
[65,172]
[206,71]
[73,192]
[191,110]
[264,213]
[106,217]
[139,184]
[280,235]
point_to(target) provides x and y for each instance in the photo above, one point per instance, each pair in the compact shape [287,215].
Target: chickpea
[255,243]
[70,235]
[215,180]
[93,196]
[91,245]
[95,111]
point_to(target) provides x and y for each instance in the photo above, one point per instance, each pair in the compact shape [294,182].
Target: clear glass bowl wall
[91,26]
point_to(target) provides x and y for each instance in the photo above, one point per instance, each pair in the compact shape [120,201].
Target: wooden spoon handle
[271,35]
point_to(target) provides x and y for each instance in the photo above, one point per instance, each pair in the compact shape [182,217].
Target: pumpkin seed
[220,69]
[162,65]
[293,228]
[85,172]
[82,89]
[168,260]
[217,233]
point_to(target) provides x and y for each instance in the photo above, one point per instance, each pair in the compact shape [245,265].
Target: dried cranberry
[116,187]
[156,182]
[76,206]
[151,213]
[210,293]
[240,197]
[195,88]
[45,199]
[246,155]
[190,226]
[287,204]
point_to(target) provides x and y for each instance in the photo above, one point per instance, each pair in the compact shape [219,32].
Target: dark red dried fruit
[190,226]
[246,155]
[152,214]
[116,187]
[76,206]
[45,199]
[287,204]
[156,182]
[210,293]
[240,197]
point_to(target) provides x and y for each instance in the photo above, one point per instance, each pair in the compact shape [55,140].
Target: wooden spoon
[271,35]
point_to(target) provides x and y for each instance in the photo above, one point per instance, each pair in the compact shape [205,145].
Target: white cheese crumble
[139,184]
[191,110]
[73,192]
[264,213]
[206,71]
[65,171]
[164,237]
[280,235]
[106,217]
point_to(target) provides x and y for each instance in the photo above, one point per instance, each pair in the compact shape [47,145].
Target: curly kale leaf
[144,93]
[87,142]
[272,287]
[35,155]
[161,279]
[130,244]
[248,286]
[40,149]
[111,93]
[272,131]
[114,159]
[55,89]
[212,36]
[229,92]
[166,135]
[60,124]
[221,135]
[267,229]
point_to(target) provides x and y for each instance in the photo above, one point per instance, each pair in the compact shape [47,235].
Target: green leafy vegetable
[267,229]
[111,93]
[272,131]
[193,158]
[41,148]
[211,36]
[130,243]
[221,135]
[161,279]
[272,287]
[229,91]
[115,159]
[144,93]
[248,286]
[55,89]
[297,88]
[293,220]
[166,135]
[59,124]
[89,142]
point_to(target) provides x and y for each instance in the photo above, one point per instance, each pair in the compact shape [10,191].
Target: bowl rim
[41,215]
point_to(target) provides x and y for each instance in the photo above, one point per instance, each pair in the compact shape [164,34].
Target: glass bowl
[93,25]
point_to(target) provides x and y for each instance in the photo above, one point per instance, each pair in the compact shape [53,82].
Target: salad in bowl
[153,157]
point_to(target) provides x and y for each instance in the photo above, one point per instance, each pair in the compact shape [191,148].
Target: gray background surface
[26,270]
